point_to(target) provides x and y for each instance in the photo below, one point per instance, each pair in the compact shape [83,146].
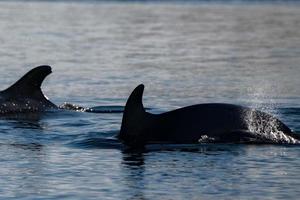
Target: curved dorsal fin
[30,84]
[135,100]
[133,117]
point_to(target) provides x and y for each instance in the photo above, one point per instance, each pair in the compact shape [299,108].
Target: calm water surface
[184,54]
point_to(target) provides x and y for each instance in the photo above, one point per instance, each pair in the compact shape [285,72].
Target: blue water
[185,54]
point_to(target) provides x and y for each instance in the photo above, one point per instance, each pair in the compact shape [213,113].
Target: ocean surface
[184,53]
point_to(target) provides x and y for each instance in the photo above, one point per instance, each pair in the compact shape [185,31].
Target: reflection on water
[24,120]
[133,172]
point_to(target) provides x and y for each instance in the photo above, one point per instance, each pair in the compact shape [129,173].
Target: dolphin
[26,95]
[202,123]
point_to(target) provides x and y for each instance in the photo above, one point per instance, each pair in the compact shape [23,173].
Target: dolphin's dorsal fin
[135,100]
[30,84]
[133,117]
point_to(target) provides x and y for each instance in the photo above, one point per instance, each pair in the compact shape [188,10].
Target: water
[184,53]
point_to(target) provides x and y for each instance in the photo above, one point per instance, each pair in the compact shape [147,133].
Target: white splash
[267,128]
[206,139]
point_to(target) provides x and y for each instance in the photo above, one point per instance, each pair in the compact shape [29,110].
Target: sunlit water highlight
[184,54]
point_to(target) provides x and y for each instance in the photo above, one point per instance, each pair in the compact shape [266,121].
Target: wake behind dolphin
[202,123]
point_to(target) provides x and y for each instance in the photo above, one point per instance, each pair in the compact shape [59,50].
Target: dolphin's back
[189,124]
[202,119]
[213,122]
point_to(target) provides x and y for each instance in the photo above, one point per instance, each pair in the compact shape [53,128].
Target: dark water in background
[184,54]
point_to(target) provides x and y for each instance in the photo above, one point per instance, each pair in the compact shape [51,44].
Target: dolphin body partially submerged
[202,123]
[26,95]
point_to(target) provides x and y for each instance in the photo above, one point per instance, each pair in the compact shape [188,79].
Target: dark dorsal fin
[30,84]
[135,100]
[133,117]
